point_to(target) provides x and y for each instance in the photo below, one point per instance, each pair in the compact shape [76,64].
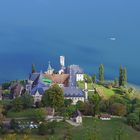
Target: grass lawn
[105,129]
[82,85]
[106,92]
[24,113]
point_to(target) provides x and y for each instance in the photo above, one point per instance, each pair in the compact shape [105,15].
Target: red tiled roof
[58,78]
[105,116]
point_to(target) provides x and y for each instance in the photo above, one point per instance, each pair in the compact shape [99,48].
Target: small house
[77,117]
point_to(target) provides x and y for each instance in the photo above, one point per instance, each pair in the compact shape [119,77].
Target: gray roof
[73,92]
[41,88]
[34,76]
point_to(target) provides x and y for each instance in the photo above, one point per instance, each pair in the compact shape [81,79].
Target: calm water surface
[87,32]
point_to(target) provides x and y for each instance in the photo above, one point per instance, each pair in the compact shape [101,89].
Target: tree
[53,97]
[27,101]
[94,78]
[87,78]
[13,124]
[80,105]
[95,100]
[70,110]
[67,102]
[137,112]
[118,109]
[132,119]
[125,75]
[33,68]
[17,104]
[122,76]
[39,114]
[101,73]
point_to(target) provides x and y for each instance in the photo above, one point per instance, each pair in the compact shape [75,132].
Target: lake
[86,32]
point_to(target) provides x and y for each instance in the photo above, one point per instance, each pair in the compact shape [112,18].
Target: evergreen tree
[122,76]
[94,78]
[101,73]
[125,75]
[33,68]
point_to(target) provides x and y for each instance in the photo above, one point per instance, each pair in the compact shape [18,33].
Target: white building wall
[79,77]
[37,97]
[79,119]
[76,99]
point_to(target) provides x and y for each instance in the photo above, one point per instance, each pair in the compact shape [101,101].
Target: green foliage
[101,73]
[51,127]
[27,101]
[118,109]
[95,100]
[23,102]
[33,68]
[10,137]
[70,110]
[6,85]
[42,129]
[13,124]
[94,78]
[53,97]
[122,76]
[92,133]
[116,82]
[39,114]
[68,134]
[80,105]
[17,104]
[36,114]
[120,134]
[47,128]
[67,102]
[132,119]
[87,78]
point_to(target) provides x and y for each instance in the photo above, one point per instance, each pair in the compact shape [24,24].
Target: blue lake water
[87,32]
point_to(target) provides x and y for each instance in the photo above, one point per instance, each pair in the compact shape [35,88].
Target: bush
[118,109]
[42,129]
[13,124]
[132,119]
[3,130]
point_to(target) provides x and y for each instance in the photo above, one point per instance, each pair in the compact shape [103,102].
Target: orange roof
[58,78]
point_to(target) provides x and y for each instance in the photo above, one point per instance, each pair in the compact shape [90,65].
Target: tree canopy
[53,97]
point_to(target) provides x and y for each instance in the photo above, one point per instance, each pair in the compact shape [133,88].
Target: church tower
[50,69]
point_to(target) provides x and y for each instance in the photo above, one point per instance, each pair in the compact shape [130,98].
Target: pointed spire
[49,66]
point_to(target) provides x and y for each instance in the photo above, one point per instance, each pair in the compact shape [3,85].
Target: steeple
[50,69]
[49,66]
